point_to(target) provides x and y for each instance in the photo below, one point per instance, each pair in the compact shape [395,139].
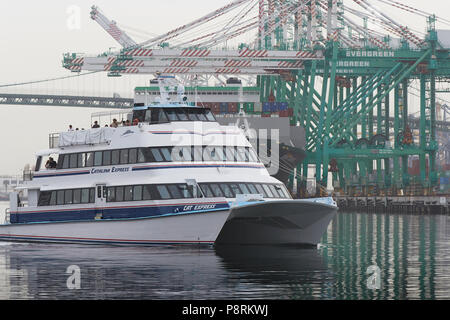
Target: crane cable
[47,80]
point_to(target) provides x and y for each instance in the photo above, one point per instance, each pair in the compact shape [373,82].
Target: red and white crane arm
[111,27]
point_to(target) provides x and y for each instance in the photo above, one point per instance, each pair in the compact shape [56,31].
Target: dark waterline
[411,251]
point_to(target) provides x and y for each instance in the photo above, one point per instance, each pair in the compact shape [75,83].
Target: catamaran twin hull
[277,222]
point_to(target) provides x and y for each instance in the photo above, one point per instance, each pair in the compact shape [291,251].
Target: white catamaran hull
[265,222]
[292,222]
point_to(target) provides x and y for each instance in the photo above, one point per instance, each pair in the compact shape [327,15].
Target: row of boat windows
[70,196]
[183,191]
[156,154]
[163,115]
[160,192]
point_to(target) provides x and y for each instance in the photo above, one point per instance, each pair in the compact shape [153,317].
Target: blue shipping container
[273,106]
[283,106]
[266,107]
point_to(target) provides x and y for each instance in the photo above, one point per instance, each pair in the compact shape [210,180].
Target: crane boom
[111,27]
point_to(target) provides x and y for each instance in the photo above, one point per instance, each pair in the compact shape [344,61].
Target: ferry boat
[174,176]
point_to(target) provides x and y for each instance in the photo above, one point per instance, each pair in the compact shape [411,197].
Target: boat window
[53,198]
[192,116]
[163,192]
[98,158]
[216,190]
[213,154]
[44,198]
[132,157]
[119,194]
[209,115]
[137,193]
[181,114]
[174,191]
[148,115]
[240,154]
[124,156]
[141,155]
[115,157]
[128,193]
[231,153]
[261,190]
[39,161]
[77,196]
[111,194]
[85,196]
[282,189]
[91,195]
[81,160]
[60,197]
[171,115]
[268,191]
[235,189]
[89,159]
[198,153]
[106,158]
[244,188]
[200,114]
[226,191]
[279,191]
[253,156]
[146,193]
[158,116]
[139,114]
[187,154]
[206,191]
[66,162]
[68,197]
[252,188]
[247,155]
[186,191]
[73,161]
[219,154]
[167,154]
[157,155]
[274,191]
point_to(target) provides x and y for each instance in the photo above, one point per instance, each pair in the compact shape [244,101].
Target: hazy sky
[35,34]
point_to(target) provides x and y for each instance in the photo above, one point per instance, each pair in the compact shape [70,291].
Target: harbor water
[362,256]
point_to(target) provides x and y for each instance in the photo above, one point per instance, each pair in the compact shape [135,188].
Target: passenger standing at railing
[96,125]
[114,124]
[70,128]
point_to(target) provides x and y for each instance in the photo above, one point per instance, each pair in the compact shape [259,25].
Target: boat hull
[192,228]
[285,222]
[299,222]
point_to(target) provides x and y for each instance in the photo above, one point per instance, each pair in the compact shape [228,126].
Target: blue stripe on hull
[109,213]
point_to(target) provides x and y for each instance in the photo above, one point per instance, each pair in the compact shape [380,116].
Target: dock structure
[439,204]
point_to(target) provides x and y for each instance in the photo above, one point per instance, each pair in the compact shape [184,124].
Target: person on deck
[51,164]
[96,125]
[114,124]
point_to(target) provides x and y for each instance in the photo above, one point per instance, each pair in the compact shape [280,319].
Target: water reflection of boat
[273,264]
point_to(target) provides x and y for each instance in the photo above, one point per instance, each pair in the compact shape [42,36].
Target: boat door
[100,200]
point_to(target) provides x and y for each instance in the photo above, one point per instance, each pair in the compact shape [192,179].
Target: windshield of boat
[162,115]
